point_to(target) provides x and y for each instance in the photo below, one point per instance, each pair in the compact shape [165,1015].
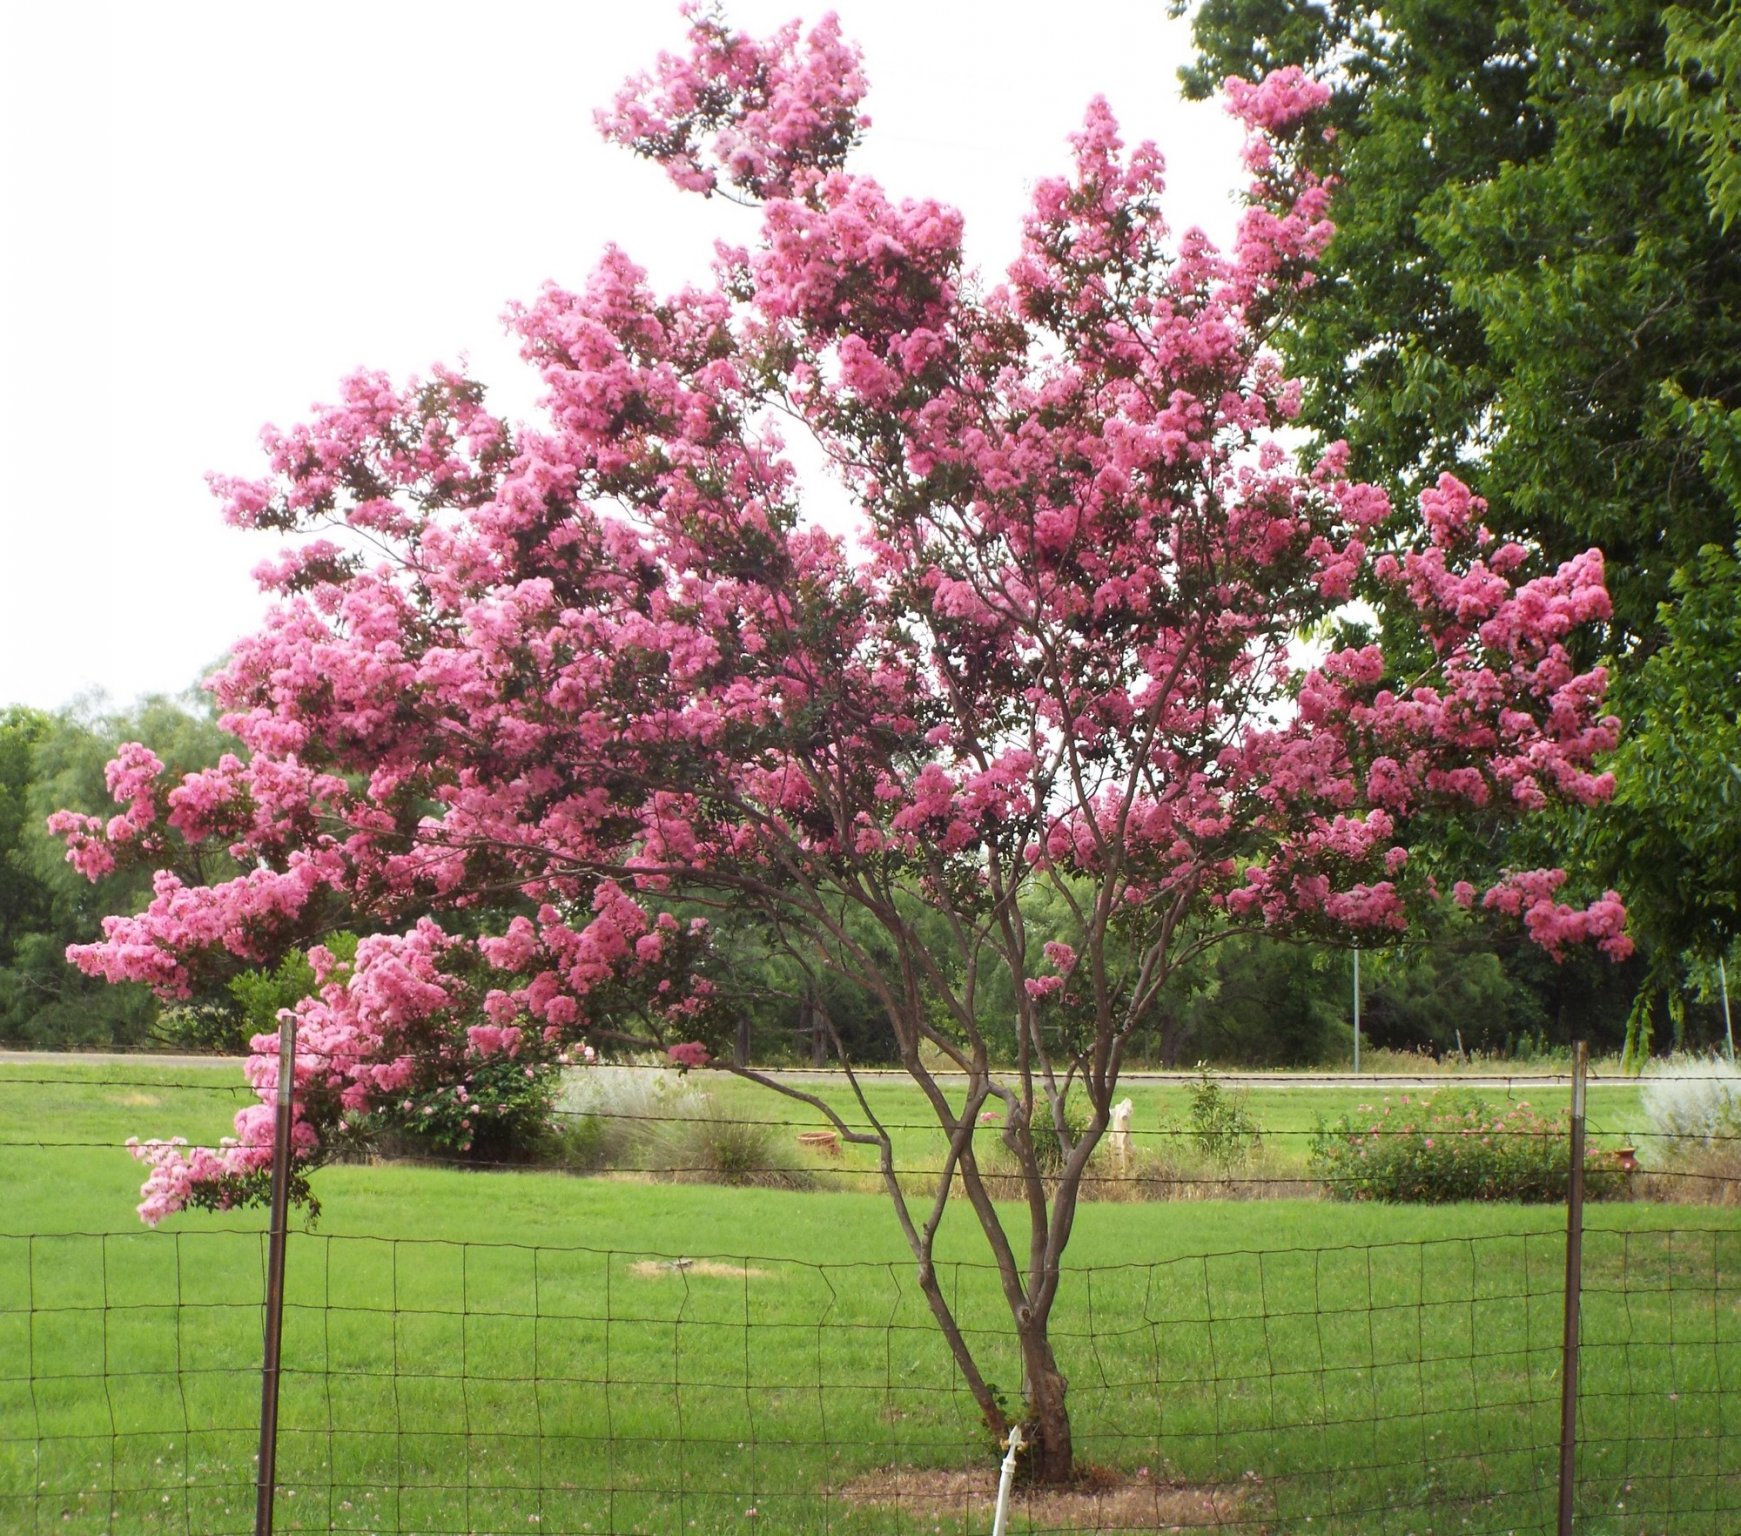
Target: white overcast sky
[212,211]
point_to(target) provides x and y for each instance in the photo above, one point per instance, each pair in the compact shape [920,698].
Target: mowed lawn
[524,1351]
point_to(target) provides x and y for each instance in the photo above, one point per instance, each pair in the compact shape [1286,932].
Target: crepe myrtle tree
[574,672]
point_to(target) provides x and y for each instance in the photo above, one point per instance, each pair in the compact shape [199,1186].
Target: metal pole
[267,1485]
[1728,1023]
[1574,1284]
[1357,1008]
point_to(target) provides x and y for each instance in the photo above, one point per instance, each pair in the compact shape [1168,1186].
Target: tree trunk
[741,1046]
[1049,1458]
[813,1021]
[1172,1040]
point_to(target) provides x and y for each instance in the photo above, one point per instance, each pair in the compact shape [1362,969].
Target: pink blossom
[1277,101]
[1061,957]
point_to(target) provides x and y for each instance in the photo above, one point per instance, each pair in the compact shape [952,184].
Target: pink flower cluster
[1277,102]
[214,1176]
[1554,925]
[134,782]
[765,116]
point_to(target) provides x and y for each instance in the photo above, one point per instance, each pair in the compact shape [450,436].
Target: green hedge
[1454,1145]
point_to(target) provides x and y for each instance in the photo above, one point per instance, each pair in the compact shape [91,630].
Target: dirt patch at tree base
[1101,1499]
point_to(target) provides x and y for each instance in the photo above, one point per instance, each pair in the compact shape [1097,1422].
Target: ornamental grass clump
[1453,1145]
[637,1117]
[718,1147]
[1692,1103]
[612,1115]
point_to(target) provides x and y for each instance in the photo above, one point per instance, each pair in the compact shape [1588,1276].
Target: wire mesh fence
[470,1387]
[1274,1381]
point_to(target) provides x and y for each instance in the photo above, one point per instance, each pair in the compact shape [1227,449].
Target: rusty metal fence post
[1574,1286]
[267,1484]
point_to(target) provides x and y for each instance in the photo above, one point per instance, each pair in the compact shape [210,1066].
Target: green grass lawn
[514,1351]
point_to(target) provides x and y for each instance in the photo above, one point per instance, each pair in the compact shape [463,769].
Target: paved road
[120,1058]
[1276,1079]
[809,1075]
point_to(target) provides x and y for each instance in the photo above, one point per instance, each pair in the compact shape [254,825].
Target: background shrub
[502,1114]
[1049,1149]
[1453,1145]
[1217,1128]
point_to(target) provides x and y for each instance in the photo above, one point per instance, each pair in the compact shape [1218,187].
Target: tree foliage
[24,894]
[1698,99]
[1535,279]
[1676,822]
[605,663]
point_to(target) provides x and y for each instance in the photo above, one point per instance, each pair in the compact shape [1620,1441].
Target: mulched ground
[1101,1500]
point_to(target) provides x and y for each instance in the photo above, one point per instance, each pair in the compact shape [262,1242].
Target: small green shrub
[261,995]
[1218,1124]
[501,1114]
[579,1143]
[1453,1145]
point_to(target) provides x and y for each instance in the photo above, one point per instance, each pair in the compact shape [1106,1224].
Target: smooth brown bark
[1050,1458]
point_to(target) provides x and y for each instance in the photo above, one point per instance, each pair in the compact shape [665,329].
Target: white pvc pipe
[1005,1478]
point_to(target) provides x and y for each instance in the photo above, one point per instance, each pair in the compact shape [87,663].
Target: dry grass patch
[1700,1176]
[665,1269]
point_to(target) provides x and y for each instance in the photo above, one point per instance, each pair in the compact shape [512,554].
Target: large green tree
[24,896]
[1536,276]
